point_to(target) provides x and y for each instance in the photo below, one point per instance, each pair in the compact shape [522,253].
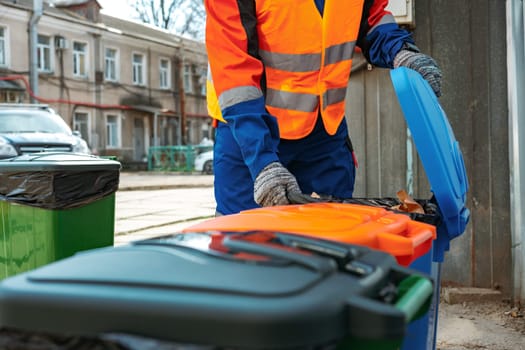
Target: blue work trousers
[321,163]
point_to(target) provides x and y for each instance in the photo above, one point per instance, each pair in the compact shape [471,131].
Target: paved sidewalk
[150,204]
[151,180]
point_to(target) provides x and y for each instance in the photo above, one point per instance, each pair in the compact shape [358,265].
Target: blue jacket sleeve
[256,133]
[384,42]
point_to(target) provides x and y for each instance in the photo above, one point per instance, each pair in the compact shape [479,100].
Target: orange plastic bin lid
[374,227]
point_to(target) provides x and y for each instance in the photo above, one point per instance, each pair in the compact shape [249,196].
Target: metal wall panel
[378,131]
[516,88]
[468,40]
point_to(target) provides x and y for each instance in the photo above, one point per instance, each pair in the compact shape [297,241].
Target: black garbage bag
[431,212]
[57,190]
[57,180]
[430,207]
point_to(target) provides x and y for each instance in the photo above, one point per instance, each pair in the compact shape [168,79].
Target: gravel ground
[486,325]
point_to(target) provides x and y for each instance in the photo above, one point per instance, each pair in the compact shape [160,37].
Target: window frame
[87,123]
[116,63]
[187,78]
[77,59]
[118,128]
[8,96]
[41,49]
[5,40]
[142,67]
[203,79]
[167,73]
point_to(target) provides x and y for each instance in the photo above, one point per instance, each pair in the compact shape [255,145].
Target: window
[112,131]
[188,88]
[79,59]
[3,46]
[44,53]
[7,96]
[138,69]
[202,81]
[81,123]
[165,72]
[110,66]
[205,132]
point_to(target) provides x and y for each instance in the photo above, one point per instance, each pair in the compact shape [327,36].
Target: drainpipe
[182,94]
[33,41]
[516,97]
[155,126]
[96,128]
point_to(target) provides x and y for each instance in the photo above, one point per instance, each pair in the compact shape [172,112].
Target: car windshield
[32,121]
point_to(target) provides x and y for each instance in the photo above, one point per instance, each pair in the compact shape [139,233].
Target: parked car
[204,162]
[31,128]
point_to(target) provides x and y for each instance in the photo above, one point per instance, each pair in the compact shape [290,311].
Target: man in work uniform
[279,70]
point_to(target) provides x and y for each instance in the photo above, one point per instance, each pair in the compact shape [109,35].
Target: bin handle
[319,264]
[415,297]
[365,313]
[320,246]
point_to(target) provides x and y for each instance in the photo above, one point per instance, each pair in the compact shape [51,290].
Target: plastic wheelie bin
[443,162]
[249,290]
[53,205]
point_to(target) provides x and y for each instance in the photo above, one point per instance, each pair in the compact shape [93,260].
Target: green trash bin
[53,205]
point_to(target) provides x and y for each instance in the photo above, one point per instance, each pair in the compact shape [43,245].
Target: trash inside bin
[442,160]
[249,290]
[53,205]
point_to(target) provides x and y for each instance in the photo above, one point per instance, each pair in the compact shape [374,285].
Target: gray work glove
[273,185]
[423,64]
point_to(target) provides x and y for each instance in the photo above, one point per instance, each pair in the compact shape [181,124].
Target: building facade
[124,85]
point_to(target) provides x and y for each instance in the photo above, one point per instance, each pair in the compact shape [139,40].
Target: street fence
[174,158]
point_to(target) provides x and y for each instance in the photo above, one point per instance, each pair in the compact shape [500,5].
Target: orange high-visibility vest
[306,59]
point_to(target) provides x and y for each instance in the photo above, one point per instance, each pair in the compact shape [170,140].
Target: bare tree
[183,17]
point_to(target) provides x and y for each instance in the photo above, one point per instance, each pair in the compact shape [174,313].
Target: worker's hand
[423,64]
[273,186]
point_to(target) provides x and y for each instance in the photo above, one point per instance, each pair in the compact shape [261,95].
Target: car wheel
[207,168]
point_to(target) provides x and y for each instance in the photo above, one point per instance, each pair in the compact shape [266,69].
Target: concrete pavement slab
[460,295]
[150,180]
[152,204]
[154,232]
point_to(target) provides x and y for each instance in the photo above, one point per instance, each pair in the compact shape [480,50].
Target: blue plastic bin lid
[438,150]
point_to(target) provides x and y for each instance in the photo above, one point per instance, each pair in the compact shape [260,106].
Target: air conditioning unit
[61,43]
[403,11]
